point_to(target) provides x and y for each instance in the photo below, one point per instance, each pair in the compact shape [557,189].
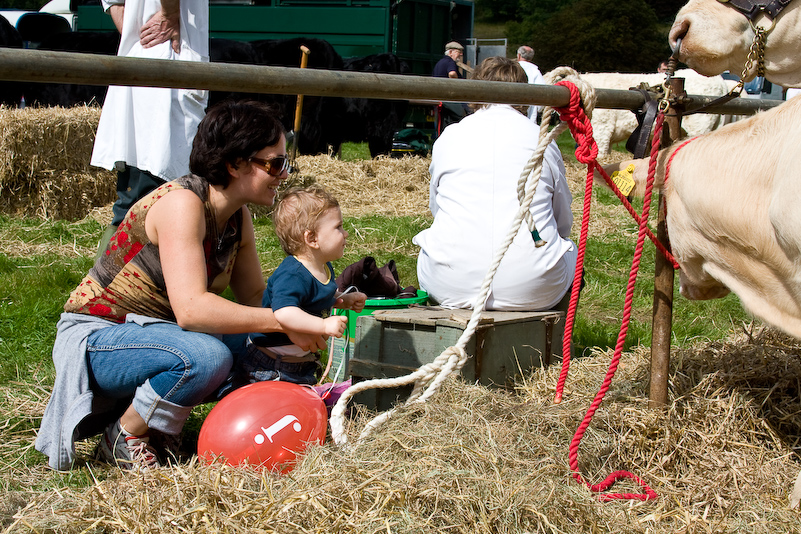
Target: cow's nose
[677,33]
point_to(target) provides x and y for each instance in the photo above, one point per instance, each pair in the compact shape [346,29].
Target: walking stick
[304,59]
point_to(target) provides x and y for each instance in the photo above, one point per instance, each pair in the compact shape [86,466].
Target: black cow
[10,92]
[321,116]
[229,51]
[66,95]
[326,121]
[377,121]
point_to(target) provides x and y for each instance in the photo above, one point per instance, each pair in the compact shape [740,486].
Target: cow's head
[716,37]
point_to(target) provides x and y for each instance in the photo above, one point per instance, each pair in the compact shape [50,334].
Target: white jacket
[152,128]
[475,167]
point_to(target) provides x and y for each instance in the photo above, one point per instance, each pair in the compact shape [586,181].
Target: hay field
[721,457]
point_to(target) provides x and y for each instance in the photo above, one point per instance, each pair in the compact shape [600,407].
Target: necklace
[217,235]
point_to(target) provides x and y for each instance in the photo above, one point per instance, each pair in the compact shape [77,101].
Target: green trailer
[414,30]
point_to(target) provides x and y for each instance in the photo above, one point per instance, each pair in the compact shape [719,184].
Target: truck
[414,30]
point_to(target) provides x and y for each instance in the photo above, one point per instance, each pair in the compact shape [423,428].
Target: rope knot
[579,123]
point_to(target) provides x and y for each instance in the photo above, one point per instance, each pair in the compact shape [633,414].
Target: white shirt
[148,127]
[534,76]
[475,167]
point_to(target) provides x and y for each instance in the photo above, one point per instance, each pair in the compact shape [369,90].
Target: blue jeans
[166,369]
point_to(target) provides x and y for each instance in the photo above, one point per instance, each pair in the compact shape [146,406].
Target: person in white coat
[146,133]
[475,168]
[525,56]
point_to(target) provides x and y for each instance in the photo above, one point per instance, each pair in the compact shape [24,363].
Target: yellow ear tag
[624,180]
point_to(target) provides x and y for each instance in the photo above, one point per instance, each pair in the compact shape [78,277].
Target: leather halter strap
[752,8]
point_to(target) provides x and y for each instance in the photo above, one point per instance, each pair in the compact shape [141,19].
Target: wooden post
[664,275]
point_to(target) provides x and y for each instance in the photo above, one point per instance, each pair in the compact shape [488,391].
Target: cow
[229,51]
[610,126]
[321,116]
[377,121]
[326,121]
[10,92]
[715,38]
[67,95]
[731,194]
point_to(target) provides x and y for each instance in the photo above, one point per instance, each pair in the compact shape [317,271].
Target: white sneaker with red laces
[125,450]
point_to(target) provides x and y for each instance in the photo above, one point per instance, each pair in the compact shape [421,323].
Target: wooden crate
[391,343]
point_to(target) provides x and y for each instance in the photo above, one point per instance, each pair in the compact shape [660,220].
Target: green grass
[35,284]
[355,151]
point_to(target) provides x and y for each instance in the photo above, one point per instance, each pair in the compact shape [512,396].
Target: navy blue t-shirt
[293,285]
[444,66]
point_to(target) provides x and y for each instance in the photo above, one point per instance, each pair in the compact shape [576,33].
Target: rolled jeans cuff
[159,414]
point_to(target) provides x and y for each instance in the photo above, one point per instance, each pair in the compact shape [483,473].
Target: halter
[752,8]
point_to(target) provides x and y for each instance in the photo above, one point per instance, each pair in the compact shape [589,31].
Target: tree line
[588,35]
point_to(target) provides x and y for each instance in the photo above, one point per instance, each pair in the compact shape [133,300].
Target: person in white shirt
[146,133]
[525,56]
[475,167]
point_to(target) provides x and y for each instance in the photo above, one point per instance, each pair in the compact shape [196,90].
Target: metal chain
[755,54]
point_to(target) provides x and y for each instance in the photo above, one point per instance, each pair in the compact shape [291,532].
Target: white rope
[429,377]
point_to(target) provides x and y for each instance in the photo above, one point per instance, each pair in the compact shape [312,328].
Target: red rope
[626,204]
[581,128]
[670,159]
[586,152]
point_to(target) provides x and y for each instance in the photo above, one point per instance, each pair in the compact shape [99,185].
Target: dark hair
[229,133]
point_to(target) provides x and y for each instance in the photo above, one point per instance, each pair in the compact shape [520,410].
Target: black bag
[371,280]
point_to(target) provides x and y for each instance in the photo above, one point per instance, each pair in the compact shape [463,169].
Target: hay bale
[39,142]
[44,163]
[61,195]
[381,186]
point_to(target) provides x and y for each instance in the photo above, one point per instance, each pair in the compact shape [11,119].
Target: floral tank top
[128,278]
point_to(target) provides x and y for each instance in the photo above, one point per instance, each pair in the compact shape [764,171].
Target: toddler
[303,289]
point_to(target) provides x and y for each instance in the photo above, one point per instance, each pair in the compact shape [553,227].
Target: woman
[141,335]
[475,168]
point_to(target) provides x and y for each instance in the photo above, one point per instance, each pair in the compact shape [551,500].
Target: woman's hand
[309,342]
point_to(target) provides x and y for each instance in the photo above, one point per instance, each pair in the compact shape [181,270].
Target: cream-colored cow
[732,213]
[733,195]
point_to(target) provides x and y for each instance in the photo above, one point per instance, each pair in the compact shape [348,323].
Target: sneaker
[125,450]
[167,446]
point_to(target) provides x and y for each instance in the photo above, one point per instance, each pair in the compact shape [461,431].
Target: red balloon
[263,424]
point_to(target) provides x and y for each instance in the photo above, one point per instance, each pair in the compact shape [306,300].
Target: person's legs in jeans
[166,369]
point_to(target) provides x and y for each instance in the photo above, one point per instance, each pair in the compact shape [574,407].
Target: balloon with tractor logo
[265,424]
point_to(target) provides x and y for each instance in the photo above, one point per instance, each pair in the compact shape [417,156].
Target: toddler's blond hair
[299,211]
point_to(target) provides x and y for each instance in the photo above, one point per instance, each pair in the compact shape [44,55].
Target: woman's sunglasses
[274,166]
